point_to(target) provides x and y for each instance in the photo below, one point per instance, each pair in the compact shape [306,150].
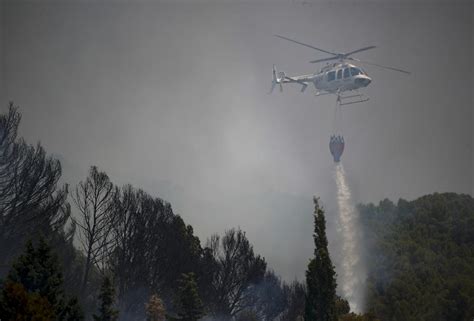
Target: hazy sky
[172,97]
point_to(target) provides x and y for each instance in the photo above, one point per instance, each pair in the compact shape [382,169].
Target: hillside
[420,257]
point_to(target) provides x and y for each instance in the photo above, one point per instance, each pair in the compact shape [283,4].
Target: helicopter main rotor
[343,56]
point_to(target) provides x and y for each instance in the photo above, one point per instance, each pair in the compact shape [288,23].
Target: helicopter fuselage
[332,78]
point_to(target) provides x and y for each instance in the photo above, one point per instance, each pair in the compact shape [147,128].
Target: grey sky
[172,97]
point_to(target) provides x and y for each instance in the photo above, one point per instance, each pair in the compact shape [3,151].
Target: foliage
[421,258]
[295,295]
[247,315]
[35,278]
[358,317]
[268,297]
[19,304]
[107,312]
[320,276]
[188,303]
[152,248]
[155,309]
[342,306]
[420,254]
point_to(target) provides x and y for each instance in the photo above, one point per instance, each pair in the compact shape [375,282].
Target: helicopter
[339,78]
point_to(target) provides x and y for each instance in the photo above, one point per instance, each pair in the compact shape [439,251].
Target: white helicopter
[336,78]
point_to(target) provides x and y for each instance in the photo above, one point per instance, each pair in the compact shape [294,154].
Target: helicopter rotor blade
[323,59]
[381,66]
[306,45]
[359,50]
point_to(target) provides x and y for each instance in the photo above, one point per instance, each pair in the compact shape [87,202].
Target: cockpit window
[331,75]
[339,74]
[346,73]
[355,71]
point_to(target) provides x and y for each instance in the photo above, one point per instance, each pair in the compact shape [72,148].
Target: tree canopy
[421,258]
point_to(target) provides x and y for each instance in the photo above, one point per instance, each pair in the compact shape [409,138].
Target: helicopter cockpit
[344,73]
[355,71]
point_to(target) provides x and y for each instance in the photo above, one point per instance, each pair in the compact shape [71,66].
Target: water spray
[353,274]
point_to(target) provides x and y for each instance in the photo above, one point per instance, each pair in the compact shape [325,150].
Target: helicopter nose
[363,81]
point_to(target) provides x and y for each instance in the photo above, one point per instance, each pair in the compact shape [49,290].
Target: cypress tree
[107,298]
[320,276]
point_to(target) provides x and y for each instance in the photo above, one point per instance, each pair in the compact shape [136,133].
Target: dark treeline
[421,258]
[99,232]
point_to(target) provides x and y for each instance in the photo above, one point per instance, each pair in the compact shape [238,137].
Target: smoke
[353,271]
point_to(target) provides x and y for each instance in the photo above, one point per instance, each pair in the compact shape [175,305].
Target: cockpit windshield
[356,71]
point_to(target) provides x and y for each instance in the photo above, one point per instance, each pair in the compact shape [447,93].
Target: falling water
[353,273]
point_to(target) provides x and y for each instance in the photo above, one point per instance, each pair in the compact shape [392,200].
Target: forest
[421,257]
[125,255]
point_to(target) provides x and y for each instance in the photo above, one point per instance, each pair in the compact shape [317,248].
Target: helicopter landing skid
[351,99]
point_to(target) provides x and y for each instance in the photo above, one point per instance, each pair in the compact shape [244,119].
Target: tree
[94,200]
[342,306]
[155,309]
[268,297]
[295,294]
[35,280]
[73,310]
[238,269]
[420,258]
[152,248]
[190,307]
[19,304]
[30,200]
[247,315]
[320,276]
[107,312]
[207,270]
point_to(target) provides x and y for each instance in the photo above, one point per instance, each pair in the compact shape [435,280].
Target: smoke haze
[172,97]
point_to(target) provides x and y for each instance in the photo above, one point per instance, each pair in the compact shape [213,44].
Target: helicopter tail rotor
[277,78]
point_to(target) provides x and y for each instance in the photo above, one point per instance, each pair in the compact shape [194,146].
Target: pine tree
[107,298]
[38,271]
[36,278]
[189,303]
[155,309]
[320,276]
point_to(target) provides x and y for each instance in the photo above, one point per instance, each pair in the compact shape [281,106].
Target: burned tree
[152,248]
[238,270]
[30,199]
[94,200]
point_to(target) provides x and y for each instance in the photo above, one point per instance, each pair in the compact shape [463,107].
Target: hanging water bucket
[336,147]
